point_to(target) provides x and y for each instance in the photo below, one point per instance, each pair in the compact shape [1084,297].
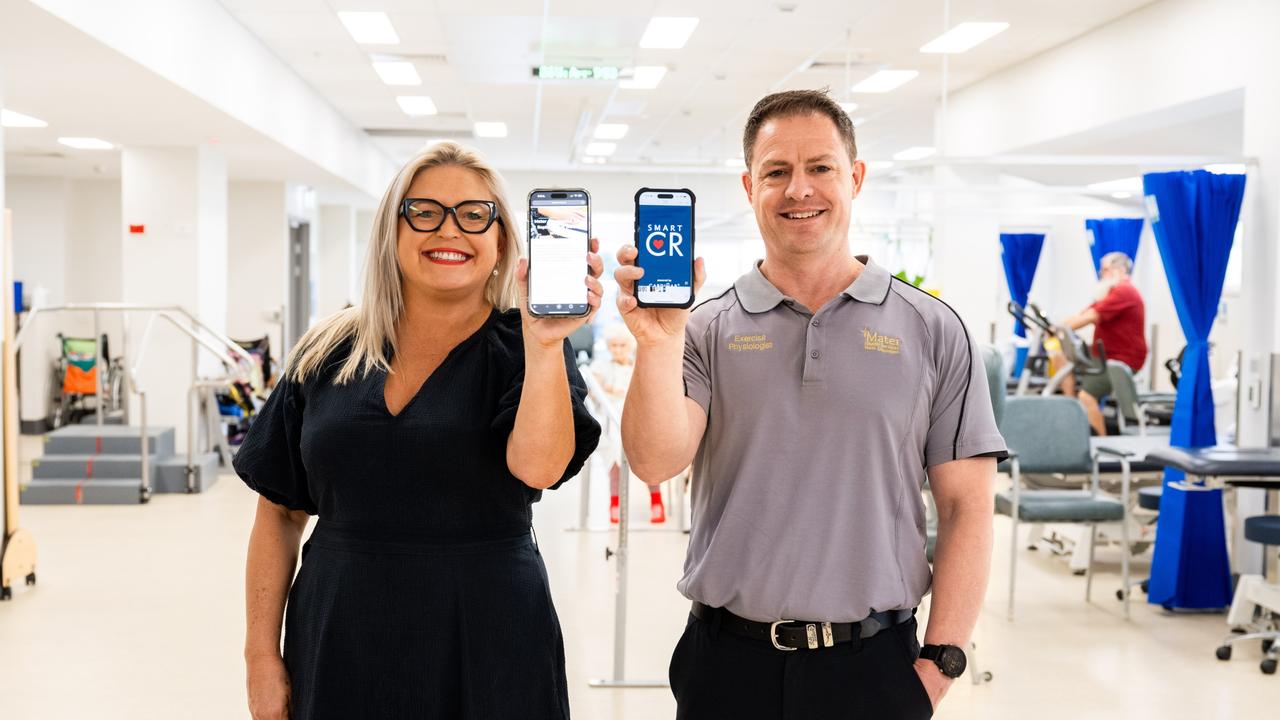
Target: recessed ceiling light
[1128,184]
[919,152]
[1226,168]
[593,160]
[416,105]
[668,33]
[884,81]
[611,131]
[11,119]
[736,162]
[858,121]
[86,143]
[848,107]
[1121,195]
[491,129]
[601,148]
[370,28]
[644,77]
[964,36]
[397,72]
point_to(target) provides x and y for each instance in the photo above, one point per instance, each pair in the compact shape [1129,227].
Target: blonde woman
[420,427]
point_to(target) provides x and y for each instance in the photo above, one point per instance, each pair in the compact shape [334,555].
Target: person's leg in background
[1092,389]
[657,510]
[614,470]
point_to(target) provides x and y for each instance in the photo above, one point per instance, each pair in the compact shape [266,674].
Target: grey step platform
[88,466]
[112,418]
[107,440]
[170,474]
[97,491]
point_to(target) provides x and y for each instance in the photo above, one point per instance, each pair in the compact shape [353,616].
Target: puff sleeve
[270,458]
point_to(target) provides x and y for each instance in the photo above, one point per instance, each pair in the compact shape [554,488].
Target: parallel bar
[98,365]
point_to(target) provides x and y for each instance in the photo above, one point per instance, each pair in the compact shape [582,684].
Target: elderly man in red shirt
[1119,326]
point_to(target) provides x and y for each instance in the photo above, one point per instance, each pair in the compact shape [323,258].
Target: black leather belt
[798,634]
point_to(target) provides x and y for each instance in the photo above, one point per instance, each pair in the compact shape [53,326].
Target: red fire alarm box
[137,229]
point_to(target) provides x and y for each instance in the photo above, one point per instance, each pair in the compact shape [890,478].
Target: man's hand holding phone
[650,326]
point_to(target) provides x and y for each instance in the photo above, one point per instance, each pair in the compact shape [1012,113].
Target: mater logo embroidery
[872,340]
[750,342]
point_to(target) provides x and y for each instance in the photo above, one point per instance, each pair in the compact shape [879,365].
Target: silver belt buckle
[773,635]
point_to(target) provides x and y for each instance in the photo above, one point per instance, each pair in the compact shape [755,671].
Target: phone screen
[559,238]
[664,237]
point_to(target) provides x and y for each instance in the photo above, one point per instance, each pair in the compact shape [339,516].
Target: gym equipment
[1081,360]
[1205,580]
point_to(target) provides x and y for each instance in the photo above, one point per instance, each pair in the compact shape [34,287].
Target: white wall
[363,233]
[334,269]
[257,240]
[171,191]
[66,239]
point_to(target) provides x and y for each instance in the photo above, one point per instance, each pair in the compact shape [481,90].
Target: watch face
[952,662]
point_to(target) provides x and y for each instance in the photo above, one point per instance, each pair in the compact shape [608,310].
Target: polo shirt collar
[758,295]
[872,284]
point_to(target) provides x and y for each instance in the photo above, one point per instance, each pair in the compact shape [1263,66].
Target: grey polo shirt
[806,491]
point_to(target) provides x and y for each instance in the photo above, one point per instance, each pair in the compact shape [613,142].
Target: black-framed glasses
[471,216]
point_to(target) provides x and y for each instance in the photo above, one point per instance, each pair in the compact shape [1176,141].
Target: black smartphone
[559,239]
[664,238]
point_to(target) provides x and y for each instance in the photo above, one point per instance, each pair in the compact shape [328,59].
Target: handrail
[229,346]
[236,360]
[239,365]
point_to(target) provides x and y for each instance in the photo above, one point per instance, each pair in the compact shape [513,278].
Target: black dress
[421,592]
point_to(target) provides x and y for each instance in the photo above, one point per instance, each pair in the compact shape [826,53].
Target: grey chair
[1051,435]
[1135,410]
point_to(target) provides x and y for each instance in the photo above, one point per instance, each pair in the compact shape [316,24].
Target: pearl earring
[495,272]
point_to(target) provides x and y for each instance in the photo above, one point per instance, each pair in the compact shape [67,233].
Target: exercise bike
[1080,358]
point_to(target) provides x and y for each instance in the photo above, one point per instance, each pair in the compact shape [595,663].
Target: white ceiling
[84,88]
[476,58]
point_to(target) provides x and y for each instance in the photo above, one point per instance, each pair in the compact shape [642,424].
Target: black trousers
[717,675]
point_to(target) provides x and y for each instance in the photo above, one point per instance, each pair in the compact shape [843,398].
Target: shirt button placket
[811,373]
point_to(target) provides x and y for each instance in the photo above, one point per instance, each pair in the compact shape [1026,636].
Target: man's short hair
[1117,259]
[797,102]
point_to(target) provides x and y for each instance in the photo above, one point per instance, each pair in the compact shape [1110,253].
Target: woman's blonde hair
[371,326]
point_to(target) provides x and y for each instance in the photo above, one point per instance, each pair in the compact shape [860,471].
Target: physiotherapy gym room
[697,360]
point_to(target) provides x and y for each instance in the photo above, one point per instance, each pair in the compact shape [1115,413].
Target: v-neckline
[382,386]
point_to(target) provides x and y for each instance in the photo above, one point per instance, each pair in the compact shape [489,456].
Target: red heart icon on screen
[659,243]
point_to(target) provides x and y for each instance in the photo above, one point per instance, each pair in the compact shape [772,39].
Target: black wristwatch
[950,659]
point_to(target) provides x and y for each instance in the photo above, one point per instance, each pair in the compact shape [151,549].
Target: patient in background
[1118,317]
[614,373]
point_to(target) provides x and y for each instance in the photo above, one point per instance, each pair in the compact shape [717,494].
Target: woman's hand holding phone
[650,326]
[551,331]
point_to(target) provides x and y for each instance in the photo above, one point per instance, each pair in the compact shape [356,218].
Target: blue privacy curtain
[1194,217]
[1020,253]
[1113,235]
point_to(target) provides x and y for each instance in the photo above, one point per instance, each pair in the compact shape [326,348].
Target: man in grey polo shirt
[814,397]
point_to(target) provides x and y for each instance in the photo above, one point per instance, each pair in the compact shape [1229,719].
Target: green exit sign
[573,72]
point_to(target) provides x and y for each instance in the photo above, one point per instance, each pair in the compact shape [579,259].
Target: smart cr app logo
[664,240]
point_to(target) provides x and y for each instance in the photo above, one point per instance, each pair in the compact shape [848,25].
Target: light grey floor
[138,615]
